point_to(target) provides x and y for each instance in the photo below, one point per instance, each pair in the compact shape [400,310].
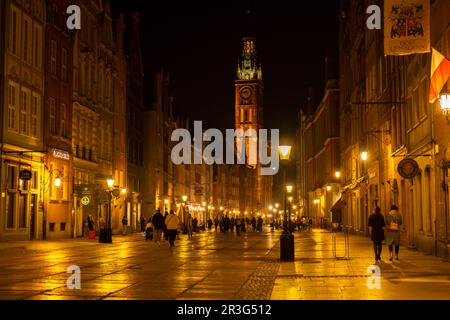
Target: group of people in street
[229,224]
[385,228]
[158,226]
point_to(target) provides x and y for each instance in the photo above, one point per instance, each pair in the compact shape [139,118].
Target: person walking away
[124,224]
[166,236]
[189,226]
[376,224]
[142,222]
[172,223]
[260,224]
[226,224]
[91,226]
[194,225]
[253,224]
[149,230]
[393,223]
[216,223]
[231,224]
[210,223]
[243,225]
[238,226]
[310,223]
[158,226]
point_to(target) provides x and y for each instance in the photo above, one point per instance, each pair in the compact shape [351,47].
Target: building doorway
[412,241]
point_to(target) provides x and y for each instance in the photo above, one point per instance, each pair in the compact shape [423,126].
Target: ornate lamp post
[286,239]
[111,193]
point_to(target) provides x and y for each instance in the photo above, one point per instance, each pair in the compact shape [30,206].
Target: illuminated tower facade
[249,115]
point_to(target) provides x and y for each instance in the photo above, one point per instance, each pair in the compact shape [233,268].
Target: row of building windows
[54,60]
[23,110]
[135,152]
[25,38]
[58,116]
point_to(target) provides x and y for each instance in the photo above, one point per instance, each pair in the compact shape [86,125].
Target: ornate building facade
[22,52]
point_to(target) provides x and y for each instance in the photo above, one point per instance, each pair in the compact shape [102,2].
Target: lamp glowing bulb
[364,155]
[57,182]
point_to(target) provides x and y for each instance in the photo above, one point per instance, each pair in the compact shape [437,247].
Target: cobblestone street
[215,266]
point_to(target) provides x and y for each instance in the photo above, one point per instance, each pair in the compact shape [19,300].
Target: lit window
[24,110]
[52,116]
[35,106]
[13,103]
[64,65]
[53,57]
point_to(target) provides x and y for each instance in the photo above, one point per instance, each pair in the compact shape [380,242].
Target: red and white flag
[440,72]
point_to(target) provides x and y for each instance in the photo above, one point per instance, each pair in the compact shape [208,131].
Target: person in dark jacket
[210,223]
[253,224]
[142,222]
[216,223]
[376,224]
[124,224]
[158,226]
[260,224]
[226,224]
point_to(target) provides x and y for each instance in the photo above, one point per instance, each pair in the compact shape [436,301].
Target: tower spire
[248,66]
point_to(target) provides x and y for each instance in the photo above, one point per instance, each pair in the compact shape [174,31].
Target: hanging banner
[406,27]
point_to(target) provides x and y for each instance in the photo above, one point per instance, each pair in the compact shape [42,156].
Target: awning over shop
[338,205]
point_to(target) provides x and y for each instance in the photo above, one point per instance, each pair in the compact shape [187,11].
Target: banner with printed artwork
[406,27]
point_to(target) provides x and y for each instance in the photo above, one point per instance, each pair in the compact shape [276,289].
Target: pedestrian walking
[91,227]
[393,223]
[238,227]
[226,224]
[260,224]
[253,224]
[166,236]
[124,224]
[158,226]
[216,223]
[189,226]
[210,223]
[172,223]
[243,225]
[232,224]
[195,225]
[149,230]
[376,224]
[142,222]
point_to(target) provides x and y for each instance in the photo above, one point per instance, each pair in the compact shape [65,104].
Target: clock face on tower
[245,93]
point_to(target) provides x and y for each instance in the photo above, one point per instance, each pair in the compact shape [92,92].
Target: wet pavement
[216,266]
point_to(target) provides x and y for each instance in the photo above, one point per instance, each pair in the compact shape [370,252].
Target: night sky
[199,44]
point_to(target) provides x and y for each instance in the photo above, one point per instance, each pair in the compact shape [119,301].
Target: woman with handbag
[393,222]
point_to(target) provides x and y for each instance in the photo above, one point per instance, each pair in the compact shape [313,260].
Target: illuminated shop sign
[61,154]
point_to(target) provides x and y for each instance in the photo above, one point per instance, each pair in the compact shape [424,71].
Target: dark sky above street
[199,43]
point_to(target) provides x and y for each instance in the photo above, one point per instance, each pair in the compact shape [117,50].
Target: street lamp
[106,235]
[286,238]
[364,155]
[110,183]
[328,188]
[57,182]
[444,100]
[124,191]
[337,174]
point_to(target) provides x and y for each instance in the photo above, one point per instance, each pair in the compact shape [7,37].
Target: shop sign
[85,200]
[61,154]
[25,175]
[408,168]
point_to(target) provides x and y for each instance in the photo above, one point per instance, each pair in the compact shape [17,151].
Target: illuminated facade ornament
[248,66]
